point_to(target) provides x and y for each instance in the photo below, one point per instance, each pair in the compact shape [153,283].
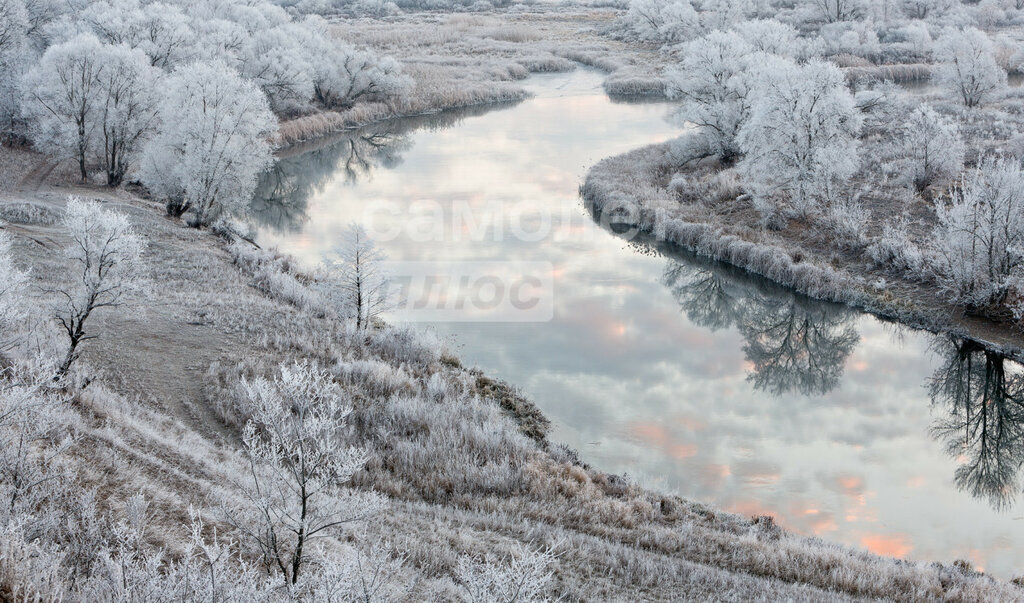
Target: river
[686,375]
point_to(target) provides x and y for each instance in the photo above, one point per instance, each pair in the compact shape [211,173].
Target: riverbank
[703,210]
[462,459]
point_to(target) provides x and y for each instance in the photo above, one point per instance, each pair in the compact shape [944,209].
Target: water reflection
[794,344]
[302,171]
[981,396]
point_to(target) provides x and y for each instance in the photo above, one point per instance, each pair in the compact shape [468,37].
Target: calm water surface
[686,375]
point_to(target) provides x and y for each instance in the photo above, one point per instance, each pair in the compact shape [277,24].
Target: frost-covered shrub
[461,446]
[14,305]
[894,249]
[373,377]
[847,217]
[524,578]
[28,212]
[405,344]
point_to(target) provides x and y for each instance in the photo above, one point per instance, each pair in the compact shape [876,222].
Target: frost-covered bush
[967,66]
[800,143]
[894,249]
[14,304]
[525,578]
[847,217]
[931,148]
[212,144]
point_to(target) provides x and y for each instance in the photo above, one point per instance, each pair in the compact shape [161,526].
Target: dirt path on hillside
[152,348]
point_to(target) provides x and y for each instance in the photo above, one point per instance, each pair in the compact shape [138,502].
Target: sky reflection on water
[687,375]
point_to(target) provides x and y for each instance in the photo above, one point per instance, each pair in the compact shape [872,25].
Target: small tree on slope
[298,468]
[106,265]
[358,284]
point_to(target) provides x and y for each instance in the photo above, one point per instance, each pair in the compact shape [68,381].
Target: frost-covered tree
[925,9]
[299,464]
[126,106]
[106,267]
[931,148]
[358,283]
[60,98]
[769,36]
[91,100]
[800,143]
[162,31]
[979,240]
[714,82]
[14,51]
[967,66]
[278,61]
[213,142]
[351,75]
[838,10]
[666,21]
[343,74]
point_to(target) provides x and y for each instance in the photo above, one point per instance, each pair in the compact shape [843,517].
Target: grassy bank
[703,209]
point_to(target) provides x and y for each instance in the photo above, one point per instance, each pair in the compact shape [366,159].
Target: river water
[686,375]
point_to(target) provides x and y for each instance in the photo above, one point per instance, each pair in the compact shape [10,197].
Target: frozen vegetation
[232,434]
[860,152]
[189,417]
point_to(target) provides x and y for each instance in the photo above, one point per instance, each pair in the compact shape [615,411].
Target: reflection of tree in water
[982,395]
[283,192]
[794,343]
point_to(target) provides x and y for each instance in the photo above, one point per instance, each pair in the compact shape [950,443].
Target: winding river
[689,376]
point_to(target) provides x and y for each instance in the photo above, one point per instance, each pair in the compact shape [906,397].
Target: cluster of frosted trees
[772,101]
[886,27]
[183,96]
